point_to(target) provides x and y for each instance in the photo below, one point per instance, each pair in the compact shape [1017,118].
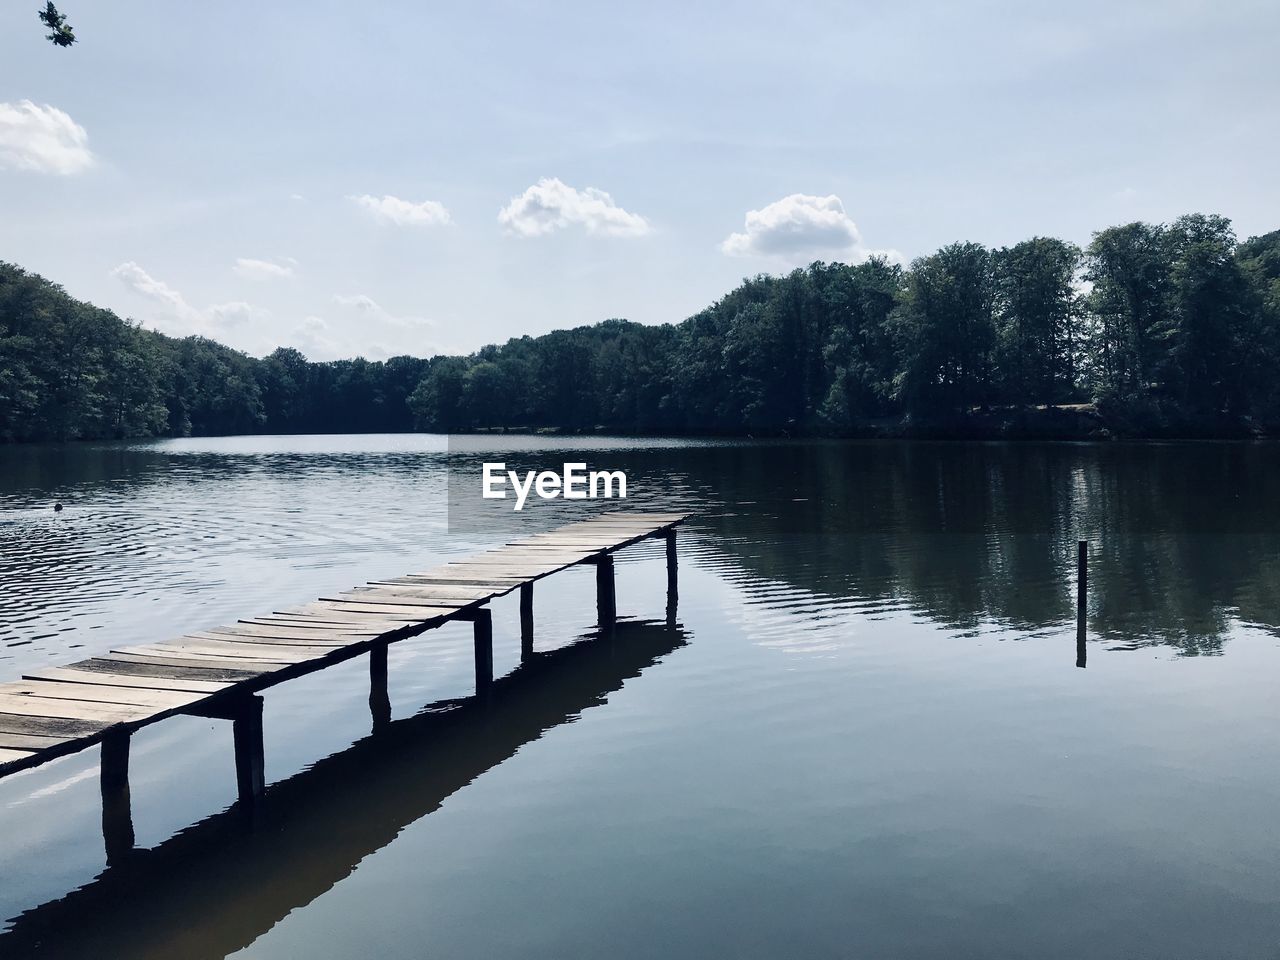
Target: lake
[864,735]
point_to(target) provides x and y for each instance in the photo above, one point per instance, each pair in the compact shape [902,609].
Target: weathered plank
[8,756]
[389,599]
[283,637]
[27,741]
[136,696]
[57,727]
[126,665]
[69,675]
[28,706]
[206,647]
[444,592]
[376,608]
[178,658]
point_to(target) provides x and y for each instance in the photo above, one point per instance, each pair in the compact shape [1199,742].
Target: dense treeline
[69,370]
[1165,328]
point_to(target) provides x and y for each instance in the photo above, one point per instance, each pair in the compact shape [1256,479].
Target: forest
[1152,330]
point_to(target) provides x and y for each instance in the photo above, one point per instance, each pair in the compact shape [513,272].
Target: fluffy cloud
[403,213]
[312,338]
[42,139]
[801,227]
[235,314]
[177,316]
[553,205]
[263,269]
[371,309]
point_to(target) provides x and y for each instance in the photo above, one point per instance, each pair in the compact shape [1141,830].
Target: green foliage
[60,34]
[946,331]
[1166,328]
[1038,317]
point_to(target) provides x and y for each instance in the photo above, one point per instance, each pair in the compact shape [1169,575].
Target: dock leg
[246,733]
[526,621]
[379,698]
[117,812]
[673,583]
[483,625]
[606,603]
[1082,600]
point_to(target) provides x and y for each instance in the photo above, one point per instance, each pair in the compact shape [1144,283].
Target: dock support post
[606,602]
[246,733]
[483,626]
[526,621]
[117,812]
[1082,599]
[379,698]
[673,582]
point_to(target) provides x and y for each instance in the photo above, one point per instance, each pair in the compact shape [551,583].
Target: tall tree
[1130,272]
[1037,319]
[946,332]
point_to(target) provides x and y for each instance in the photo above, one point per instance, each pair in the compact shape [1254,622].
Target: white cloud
[371,309]
[553,205]
[403,213]
[42,139]
[799,228]
[263,269]
[235,314]
[177,317]
[311,337]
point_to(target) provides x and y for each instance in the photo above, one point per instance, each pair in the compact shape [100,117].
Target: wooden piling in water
[526,621]
[673,583]
[606,600]
[483,635]
[117,812]
[379,696]
[246,734]
[1082,600]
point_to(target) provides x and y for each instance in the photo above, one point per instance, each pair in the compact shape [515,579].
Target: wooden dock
[219,672]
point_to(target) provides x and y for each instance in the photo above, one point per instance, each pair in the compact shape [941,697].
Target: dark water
[865,736]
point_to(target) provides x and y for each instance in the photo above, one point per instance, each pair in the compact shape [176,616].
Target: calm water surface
[865,735]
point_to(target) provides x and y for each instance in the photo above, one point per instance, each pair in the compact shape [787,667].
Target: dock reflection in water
[218,885]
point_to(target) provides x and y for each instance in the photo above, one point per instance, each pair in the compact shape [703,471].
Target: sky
[383,178]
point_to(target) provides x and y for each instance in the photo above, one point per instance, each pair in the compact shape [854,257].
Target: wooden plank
[160,699]
[317,626]
[322,615]
[27,741]
[8,756]
[27,706]
[400,600]
[447,592]
[517,568]
[69,675]
[371,608]
[282,636]
[58,727]
[259,647]
[373,605]
[496,583]
[204,647]
[156,667]
[180,658]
